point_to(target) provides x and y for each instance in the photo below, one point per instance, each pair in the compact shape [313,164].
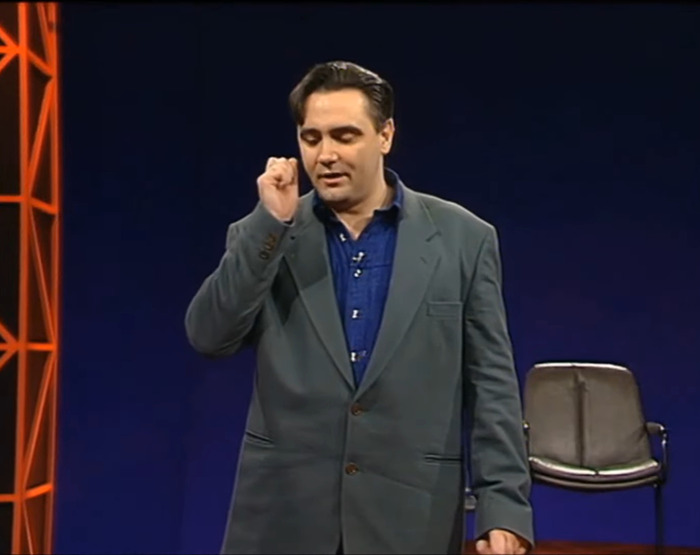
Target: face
[341,150]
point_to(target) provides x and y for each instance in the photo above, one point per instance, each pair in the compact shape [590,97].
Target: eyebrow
[335,130]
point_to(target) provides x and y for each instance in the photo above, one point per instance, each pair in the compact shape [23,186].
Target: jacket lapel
[308,261]
[414,264]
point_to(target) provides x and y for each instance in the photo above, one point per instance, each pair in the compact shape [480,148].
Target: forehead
[329,108]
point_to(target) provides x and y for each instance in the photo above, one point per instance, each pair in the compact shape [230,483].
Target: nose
[327,155]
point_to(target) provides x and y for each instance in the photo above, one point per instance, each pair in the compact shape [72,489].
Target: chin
[333,195]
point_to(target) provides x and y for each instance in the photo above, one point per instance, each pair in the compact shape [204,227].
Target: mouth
[332,177]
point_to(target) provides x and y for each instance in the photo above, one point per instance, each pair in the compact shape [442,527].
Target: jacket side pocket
[443,459]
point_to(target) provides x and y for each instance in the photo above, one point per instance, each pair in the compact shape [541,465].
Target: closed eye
[311,141]
[346,134]
[347,138]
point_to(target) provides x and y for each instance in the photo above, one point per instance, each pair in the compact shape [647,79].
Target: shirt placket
[356,305]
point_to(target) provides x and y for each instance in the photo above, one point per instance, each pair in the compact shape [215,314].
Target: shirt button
[357,273]
[355,314]
[356,409]
[343,238]
[358,257]
[351,469]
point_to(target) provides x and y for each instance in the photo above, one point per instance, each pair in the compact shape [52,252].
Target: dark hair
[335,76]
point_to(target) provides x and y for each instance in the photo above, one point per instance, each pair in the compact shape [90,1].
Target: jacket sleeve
[223,311]
[499,466]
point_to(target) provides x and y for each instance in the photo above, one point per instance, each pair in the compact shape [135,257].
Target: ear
[386,136]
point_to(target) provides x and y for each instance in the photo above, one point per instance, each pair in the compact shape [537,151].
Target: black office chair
[586,431]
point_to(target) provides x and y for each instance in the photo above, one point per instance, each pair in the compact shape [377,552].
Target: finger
[271,162]
[272,180]
[518,545]
[293,170]
[275,173]
[498,543]
[482,547]
[283,173]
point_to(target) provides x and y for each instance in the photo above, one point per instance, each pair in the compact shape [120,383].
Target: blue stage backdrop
[575,129]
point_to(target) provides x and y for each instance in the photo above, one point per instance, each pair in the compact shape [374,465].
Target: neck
[357,217]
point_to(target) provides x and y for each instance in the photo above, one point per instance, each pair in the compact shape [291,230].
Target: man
[383,353]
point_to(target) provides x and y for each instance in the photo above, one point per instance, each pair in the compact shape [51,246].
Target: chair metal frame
[657,481]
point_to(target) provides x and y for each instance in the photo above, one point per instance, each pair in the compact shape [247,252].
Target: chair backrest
[585,414]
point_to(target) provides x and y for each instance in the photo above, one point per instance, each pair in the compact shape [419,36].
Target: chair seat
[614,474]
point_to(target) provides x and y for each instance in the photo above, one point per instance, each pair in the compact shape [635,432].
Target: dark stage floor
[598,548]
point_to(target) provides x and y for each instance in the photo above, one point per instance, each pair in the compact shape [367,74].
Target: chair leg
[659,510]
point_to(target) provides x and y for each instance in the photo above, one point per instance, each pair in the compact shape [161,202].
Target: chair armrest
[469,500]
[526,432]
[656,429]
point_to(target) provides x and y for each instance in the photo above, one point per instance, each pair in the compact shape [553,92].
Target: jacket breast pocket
[444,309]
[258,439]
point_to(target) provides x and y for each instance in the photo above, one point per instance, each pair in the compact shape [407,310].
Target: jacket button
[356,409]
[351,469]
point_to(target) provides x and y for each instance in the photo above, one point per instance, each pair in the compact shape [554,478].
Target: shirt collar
[395,208]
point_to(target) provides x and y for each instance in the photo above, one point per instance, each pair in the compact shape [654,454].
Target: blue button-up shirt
[361,272]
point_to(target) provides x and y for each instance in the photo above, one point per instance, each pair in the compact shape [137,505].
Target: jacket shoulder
[445,213]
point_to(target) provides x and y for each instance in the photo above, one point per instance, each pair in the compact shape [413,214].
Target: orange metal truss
[29,269]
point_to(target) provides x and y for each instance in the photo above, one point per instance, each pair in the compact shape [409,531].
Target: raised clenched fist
[278,187]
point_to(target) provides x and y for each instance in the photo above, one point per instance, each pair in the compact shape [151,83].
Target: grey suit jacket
[381,465]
